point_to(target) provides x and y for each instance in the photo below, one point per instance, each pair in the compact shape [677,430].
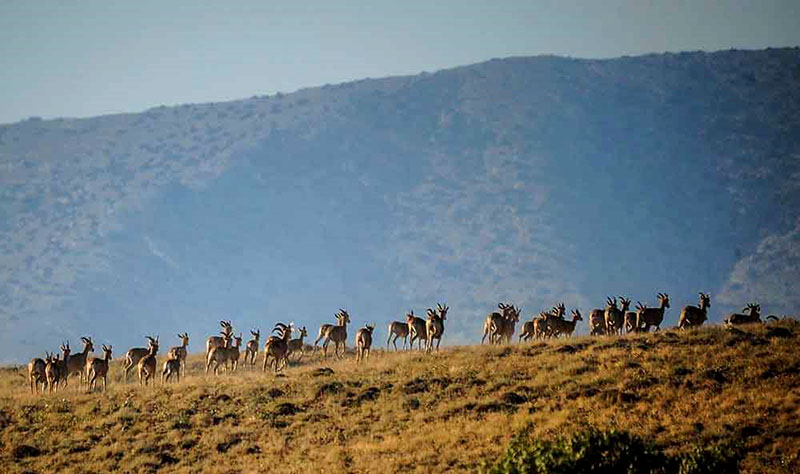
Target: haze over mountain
[531,180]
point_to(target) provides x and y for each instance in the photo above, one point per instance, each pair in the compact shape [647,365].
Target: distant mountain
[530,180]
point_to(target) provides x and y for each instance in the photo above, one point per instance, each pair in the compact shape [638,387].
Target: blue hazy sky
[84,58]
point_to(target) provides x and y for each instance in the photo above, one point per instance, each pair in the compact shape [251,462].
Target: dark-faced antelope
[398,329]
[694,316]
[753,315]
[503,328]
[77,362]
[179,353]
[434,325]
[219,341]
[62,365]
[416,330]
[135,354]
[615,317]
[562,327]
[251,349]
[277,348]
[297,345]
[147,364]
[96,367]
[364,342]
[647,317]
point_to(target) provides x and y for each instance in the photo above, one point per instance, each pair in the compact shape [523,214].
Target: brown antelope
[77,362]
[337,334]
[234,352]
[96,367]
[364,342]
[135,354]
[562,327]
[171,367]
[251,349]
[615,317]
[219,341]
[416,330]
[51,372]
[692,316]
[147,364]
[297,344]
[527,331]
[646,317]
[36,374]
[630,321]
[179,353]
[753,316]
[597,322]
[434,326]
[503,327]
[495,320]
[398,329]
[62,368]
[278,347]
[218,355]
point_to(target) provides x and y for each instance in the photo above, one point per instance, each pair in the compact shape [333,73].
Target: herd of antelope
[223,351]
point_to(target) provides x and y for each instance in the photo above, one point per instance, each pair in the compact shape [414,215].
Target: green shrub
[612,452]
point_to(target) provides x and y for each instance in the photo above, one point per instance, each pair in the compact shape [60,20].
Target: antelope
[51,372]
[297,344]
[135,355]
[695,315]
[233,353]
[615,317]
[171,367]
[364,342]
[416,329]
[753,316]
[219,341]
[494,320]
[564,327]
[36,368]
[147,364]
[398,329]
[179,353]
[337,334]
[218,355]
[251,349]
[651,316]
[77,362]
[97,367]
[527,331]
[503,328]
[597,322]
[434,326]
[62,369]
[278,347]
[630,321]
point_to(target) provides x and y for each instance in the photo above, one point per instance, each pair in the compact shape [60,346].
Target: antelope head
[641,307]
[410,317]
[431,314]
[256,334]
[612,303]
[443,309]
[576,315]
[88,346]
[663,298]
[705,300]
[626,303]
[107,351]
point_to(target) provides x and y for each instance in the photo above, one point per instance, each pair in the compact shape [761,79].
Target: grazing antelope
[251,349]
[646,317]
[171,367]
[277,348]
[36,374]
[416,330]
[692,316]
[51,372]
[562,327]
[364,342]
[219,341]
[218,355]
[615,317]
[753,316]
[135,355]
[398,329]
[147,364]
[77,362]
[297,344]
[96,367]
[337,334]
[434,326]
[179,353]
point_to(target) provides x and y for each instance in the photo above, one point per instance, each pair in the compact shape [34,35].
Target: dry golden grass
[404,412]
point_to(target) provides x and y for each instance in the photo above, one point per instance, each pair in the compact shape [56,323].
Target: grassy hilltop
[408,412]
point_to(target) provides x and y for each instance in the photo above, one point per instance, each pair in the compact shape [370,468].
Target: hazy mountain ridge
[498,180]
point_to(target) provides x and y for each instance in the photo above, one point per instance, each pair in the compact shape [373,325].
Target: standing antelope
[62,367]
[51,372]
[233,353]
[615,317]
[77,362]
[753,316]
[597,322]
[494,321]
[337,334]
[251,349]
[218,355]
[147,364]
[36,374]
[135,355]
[179,353]
[562,327]
[278,347]
[398,329]
[171,367]
[297,344]
[364,342]
[651,316]
[434,326]
[527,331]
[416,330]
[96,367]
[219,341]
[692,316]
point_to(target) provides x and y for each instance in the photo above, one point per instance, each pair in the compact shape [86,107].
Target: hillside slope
[531,180]
[406,412]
